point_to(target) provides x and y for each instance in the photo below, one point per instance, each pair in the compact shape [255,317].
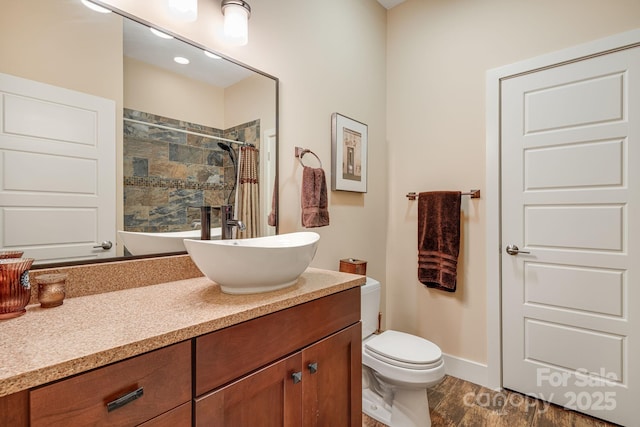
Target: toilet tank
[370,306]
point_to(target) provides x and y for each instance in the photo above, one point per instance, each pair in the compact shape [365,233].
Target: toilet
[397,368]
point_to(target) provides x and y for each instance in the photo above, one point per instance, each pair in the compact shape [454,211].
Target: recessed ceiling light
[211,55]
[181,60]
[95,7]
[160,33]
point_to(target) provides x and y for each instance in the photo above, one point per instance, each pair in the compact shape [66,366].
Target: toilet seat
[404,350]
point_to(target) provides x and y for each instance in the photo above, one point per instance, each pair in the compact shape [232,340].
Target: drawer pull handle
[296,377]
[127,398]
[313,367]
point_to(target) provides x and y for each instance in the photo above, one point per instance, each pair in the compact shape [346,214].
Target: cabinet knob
[313,367]
[296,377]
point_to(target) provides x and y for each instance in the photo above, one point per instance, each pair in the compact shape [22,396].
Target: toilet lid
[404,348]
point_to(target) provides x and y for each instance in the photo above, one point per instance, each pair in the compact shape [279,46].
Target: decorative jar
[15,288]
[51,289]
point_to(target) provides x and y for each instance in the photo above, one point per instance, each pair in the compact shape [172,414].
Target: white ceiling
[390,3]
[141,44]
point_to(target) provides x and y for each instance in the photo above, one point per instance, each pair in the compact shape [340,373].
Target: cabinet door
[332,385]
[267,398]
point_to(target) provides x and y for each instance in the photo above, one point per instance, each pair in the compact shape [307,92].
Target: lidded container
[15,288]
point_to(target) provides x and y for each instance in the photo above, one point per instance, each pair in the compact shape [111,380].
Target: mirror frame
[276,198]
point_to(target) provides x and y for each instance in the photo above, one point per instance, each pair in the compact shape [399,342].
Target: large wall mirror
[106,135]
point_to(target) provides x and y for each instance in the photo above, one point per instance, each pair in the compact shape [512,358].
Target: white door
[570,156]
[57,178]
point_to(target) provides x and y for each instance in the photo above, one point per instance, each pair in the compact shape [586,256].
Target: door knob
[296,377]
[313,367]
[514,250]
[106,245]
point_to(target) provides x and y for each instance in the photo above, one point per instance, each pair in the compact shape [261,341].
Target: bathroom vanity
[183,353]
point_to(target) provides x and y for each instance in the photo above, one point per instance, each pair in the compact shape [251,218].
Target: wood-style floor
[459,403]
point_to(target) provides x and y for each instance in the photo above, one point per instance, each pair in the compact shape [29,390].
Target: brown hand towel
[314,198]
[438,238]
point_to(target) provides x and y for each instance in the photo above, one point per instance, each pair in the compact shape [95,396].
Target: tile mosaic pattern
[169,173]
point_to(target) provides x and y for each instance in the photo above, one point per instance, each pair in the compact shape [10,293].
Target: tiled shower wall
[168,174]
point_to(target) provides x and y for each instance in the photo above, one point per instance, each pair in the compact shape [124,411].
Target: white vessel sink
[261,264]
[155,243]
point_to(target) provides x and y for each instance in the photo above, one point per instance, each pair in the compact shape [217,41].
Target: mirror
[179,131]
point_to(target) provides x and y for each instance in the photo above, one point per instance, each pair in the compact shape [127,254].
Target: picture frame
[349,146]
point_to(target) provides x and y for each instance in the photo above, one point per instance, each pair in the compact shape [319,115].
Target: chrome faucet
[228,222]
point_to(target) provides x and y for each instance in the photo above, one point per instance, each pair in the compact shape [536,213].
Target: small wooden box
[355,266]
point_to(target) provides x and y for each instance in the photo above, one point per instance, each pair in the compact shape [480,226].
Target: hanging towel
[314,198]
[438,238]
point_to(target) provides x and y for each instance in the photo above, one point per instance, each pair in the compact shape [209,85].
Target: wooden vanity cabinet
[127,393]
[316,379]
[300,366]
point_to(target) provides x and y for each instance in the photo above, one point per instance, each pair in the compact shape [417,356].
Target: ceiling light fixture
[183,10]
[236,21]
[160,33]
[95,7]
[181,60]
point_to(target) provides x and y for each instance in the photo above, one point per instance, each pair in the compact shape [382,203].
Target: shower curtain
[248,194]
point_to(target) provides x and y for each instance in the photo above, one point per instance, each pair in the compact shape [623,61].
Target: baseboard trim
[467,370]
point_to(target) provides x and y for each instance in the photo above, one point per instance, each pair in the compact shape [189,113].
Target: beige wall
[250,99]
[38,43]
[157,91]
[438,53]
[330,56]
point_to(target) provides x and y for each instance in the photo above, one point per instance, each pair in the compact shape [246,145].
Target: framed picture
[348,154]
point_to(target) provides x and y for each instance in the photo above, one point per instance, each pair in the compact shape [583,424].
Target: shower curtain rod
[204,135]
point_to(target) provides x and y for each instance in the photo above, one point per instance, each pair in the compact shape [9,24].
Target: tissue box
[352,265]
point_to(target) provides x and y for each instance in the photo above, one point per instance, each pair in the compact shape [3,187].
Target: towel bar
[475,194]
[300,152]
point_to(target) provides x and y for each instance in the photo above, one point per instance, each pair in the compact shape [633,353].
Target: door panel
[57,154]
[268,397]
[333,380]
[554,107]
[570,182]
[595,290]
[573,348]
[585,227]
[601,165]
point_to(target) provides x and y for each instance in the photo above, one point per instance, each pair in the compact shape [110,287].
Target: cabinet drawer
[225,355]
[162,379]
[178,417]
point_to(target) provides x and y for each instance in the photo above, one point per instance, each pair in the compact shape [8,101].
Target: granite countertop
[91,331]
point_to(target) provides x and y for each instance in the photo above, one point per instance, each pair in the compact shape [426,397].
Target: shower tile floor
[457,403]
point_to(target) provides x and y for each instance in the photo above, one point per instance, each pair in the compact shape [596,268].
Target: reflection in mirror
[185,134]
